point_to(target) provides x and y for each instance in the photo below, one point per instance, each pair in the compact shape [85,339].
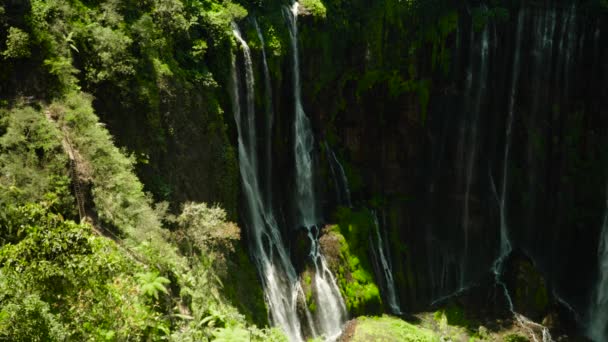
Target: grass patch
[389,329]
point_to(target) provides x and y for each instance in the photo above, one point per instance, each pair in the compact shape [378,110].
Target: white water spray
[597,328]
[331,310]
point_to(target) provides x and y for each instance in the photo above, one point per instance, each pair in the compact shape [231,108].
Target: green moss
[307,287]
[354,273]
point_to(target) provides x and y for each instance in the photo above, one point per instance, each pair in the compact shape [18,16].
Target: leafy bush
[32,162]
[109,57]
[208,229]
[17,44]
[314,7]
[28,318]
[85,279]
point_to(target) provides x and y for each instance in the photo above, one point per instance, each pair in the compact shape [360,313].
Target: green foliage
[60,265]
[207,228]
[17,44]
[152,284]
[171,16]
[32,163]
[516,338]
[314,7]
[454,315]
[117,193]
[242,288]
[109,54]
[30,319]
[273,42]
[231,334]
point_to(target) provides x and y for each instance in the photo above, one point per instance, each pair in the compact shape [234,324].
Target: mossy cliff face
[385,85]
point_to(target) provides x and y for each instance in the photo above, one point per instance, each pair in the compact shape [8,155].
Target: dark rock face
[440,175]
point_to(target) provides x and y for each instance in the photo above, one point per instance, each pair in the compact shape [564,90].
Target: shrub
[207,227]
[314,7]
[32,162]
[17,44]
[61,265]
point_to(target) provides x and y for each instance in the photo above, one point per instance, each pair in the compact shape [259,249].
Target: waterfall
[597,329]
[570,42]
[339,177]
[472,143]
[505,243]
[281,285]
[269,117]
[387,270]
[331,312]
[304,140]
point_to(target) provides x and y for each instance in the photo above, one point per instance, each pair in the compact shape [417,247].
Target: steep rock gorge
[455,145]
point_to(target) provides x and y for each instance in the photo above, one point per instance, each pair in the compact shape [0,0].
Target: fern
[152,283]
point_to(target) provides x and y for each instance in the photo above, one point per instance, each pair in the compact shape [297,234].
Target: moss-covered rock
[528,287]
[353,273]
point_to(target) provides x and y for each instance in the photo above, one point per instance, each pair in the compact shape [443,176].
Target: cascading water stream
[597,328]
[569,42]
[269,117]
[281,285]
[331,313]
[505,242]
[387,270]
[339,176]
[304,140]
[472,144]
